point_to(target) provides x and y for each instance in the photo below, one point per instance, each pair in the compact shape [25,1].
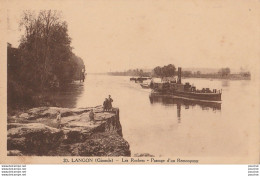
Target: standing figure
[110,100]
[80,77]
[83,77]
[92,116]
[105,105]
[58,119]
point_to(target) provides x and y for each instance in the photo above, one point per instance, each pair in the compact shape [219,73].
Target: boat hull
[193,95]
[171,99]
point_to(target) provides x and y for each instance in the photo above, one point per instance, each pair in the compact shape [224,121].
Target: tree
[46,48]
[224,71]
[165,71]
[169,70]
[157,71]
[43,61]
[141,73]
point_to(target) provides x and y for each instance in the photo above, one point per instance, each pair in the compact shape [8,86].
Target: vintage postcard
[130,82]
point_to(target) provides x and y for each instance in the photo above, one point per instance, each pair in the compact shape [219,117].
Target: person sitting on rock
[110,100]
[92,116]
[105,105]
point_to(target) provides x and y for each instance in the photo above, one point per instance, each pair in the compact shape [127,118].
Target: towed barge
[176,88]
[140,79]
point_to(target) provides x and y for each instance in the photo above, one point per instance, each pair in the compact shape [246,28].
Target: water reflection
[68,96]
[179,113]
[225,83]
[186,103]
[170,126]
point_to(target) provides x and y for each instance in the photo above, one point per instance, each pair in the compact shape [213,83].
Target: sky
[118,35]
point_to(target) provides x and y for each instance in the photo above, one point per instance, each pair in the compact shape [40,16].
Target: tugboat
[176,88]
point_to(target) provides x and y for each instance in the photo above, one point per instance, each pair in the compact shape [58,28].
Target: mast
[179,75]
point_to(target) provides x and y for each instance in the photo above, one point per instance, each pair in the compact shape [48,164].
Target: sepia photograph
[130,82]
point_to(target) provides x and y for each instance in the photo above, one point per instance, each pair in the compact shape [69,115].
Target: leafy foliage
[224,71]
[165,71]
[44,59]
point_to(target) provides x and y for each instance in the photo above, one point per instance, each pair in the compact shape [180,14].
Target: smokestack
[179,75]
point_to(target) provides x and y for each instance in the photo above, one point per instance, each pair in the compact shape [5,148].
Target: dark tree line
[224,71]
[165,71]
[44,59]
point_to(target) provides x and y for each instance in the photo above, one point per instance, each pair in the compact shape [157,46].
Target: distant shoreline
[204,76]
[231,77]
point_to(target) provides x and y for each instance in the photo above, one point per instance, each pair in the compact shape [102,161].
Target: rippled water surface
[168,127]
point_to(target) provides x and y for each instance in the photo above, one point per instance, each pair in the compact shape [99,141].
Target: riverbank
[36,132]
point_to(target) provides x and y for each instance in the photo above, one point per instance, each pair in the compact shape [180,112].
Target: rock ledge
[37,133]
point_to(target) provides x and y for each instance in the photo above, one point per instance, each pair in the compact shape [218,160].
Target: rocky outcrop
[37,132]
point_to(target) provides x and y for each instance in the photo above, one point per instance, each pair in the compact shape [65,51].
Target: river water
[167,127]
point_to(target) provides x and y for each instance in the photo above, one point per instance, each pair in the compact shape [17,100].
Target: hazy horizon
[192,69]
[122,35]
